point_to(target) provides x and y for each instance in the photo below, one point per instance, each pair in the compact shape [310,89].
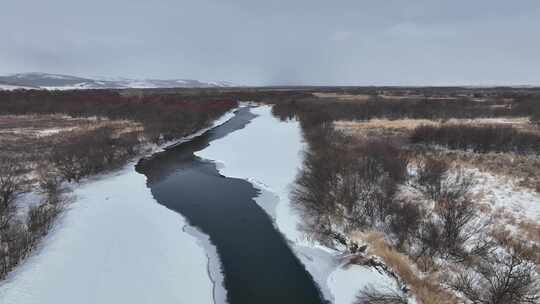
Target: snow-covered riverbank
[268,154]
[116,244]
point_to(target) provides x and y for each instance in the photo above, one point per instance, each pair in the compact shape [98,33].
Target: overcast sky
[351,42]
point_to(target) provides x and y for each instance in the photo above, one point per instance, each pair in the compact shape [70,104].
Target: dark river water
[258,265]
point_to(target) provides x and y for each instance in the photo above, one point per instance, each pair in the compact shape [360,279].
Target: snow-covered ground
[116,244]
[268,153]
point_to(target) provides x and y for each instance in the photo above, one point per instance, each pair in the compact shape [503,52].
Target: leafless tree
[12,185]
[405,222]
[500,279]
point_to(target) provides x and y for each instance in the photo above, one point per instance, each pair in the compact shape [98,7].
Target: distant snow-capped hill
[67,82]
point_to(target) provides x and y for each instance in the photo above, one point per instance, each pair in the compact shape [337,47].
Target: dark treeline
[478,138]
[164,116]
[439,109]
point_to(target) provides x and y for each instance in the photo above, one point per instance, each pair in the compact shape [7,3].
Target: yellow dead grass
[410,124]
[398,124]
[345,97]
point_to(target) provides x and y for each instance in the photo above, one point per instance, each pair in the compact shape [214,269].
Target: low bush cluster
[82,154]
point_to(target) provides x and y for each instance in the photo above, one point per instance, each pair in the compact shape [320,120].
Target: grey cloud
[277,42]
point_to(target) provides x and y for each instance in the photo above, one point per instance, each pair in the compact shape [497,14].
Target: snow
[269,155]
[116,244]
[9,87]
[345,282]
[140,84]
[56,76]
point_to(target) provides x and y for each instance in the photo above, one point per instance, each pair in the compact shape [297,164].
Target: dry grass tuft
[427,289]
[530,229]
[398,124]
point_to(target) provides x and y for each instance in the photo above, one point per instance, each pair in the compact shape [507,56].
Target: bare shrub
[455,217]
[404,223]
[12,185]
[346,185]
[429,241]
[17,238]
[41,219]
[50,182]
[430,176]
[14,239]
[14,246]
[436,182]
[370,295]
[452,232]
[500,278]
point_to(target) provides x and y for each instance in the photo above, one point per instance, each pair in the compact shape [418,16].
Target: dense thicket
[478,138]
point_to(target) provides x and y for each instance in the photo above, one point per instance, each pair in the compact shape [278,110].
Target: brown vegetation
[478,138]
[427,236]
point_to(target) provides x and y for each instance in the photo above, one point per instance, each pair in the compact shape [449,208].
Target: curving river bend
[258,265]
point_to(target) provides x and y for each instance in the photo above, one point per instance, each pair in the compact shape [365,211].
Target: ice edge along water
[114,245]
[269,158]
